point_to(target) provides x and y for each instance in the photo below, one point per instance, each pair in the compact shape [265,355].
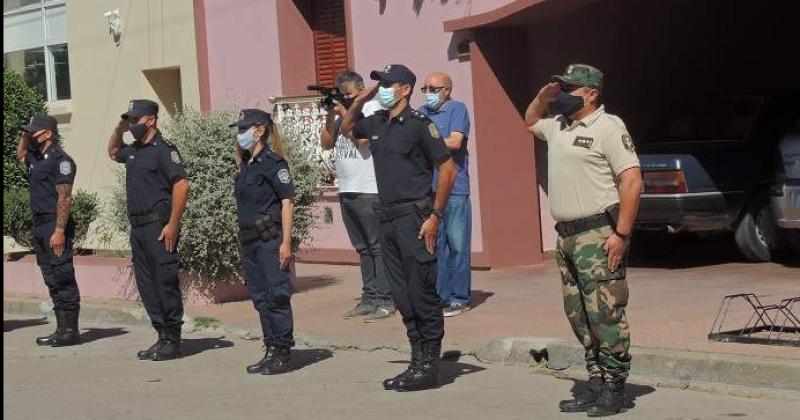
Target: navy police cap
[394,73]
[250,117]
[41,122]
[138,108]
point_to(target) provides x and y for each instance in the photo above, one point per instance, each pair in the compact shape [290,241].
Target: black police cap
[41,122]
[394,73]
[250,117]
[138,108]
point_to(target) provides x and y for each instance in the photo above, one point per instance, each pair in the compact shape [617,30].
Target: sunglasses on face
[431,89]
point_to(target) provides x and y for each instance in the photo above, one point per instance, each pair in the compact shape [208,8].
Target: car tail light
[665,182]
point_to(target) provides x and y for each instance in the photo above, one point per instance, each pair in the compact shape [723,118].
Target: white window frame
[49,63]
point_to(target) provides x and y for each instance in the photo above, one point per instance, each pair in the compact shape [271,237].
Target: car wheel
[757,235]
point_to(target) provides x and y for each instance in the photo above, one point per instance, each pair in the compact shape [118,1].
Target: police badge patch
[176,158]
[283,175]
[65,168]
[433,130]
[628,142]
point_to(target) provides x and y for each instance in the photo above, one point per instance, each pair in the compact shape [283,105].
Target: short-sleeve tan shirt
[584,162]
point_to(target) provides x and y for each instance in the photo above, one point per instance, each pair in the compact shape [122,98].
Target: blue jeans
[454,278]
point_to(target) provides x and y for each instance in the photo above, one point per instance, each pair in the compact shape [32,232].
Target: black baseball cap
[41,122]
[138,108]
[394,73]
[250,117]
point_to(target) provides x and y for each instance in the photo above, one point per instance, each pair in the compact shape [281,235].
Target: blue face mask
[386,97]
[432,100]
[566,104]
[246,139]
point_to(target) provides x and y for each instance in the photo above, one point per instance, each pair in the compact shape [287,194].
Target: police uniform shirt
[46,171]
[261,184]
[584,162]
[405,151]
[152,168]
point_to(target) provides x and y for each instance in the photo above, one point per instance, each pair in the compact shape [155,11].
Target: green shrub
[20,103]
[209,243]
[17,216]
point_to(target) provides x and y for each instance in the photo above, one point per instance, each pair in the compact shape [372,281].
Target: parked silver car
[785,194]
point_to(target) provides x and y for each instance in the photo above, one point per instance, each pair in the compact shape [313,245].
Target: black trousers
[58,272]
[412,278]
[270,289]
[156,272]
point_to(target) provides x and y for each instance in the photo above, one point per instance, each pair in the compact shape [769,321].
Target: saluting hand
[122,126]
[366,94]
[615,249]
[169,235]
[428,232]
[548,92]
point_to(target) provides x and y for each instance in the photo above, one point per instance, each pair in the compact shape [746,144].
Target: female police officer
[264,194]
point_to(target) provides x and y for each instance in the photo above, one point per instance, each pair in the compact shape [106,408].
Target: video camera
[331,94]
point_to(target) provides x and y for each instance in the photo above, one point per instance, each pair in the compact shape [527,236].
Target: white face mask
[246,140]
[386,97]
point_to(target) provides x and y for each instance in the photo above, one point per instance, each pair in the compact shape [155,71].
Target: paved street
[102,380]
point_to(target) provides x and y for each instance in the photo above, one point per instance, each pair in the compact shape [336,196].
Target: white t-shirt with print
[355,172]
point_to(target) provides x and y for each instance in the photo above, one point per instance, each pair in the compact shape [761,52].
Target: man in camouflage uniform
[594,185]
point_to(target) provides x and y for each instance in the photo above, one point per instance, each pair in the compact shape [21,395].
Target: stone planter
[112,278]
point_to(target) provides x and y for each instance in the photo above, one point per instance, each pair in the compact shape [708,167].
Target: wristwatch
[621,236]
[437,213]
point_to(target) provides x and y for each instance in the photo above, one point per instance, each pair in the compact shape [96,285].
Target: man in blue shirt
[454,280]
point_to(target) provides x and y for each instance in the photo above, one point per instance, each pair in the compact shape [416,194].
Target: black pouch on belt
[424,207]
[164,210]
[266,228]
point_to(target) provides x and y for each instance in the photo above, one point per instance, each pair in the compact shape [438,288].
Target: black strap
[41,219]
[143,219]
[566,229]
[388,213]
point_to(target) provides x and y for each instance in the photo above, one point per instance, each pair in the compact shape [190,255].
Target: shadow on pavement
[92,334]
[478,297]
[307,357]
[192,346]
[450,368]
[305,283]
[632,391]
[15,324]
[683,251]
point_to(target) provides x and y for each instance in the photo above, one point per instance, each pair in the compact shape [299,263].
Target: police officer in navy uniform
[157,191]
[406,147]
[51,175]
[264,201]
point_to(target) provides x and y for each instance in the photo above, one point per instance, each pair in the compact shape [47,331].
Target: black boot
[427,376]
[259,366]
[416,362]
[67,332]
[280,362]
[611,401]
[584,400]
[171,347]
[147,354]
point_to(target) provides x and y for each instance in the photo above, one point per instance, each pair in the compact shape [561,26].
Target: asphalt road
[102,379]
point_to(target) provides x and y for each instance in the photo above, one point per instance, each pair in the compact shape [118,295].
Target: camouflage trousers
[594,300]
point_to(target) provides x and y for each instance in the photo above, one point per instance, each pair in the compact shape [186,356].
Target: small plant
[205,323]
[20,103]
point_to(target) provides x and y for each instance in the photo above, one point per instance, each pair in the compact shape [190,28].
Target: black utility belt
[159,213]
[566,229]
[387,213]
[42,219]
[263,229]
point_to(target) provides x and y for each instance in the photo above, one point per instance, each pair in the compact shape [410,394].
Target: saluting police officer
[406,147]
[157,191]
[594,186]
[51,174]
[264,200]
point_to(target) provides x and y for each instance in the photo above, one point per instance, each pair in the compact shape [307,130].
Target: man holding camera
[358,192]
[594,184]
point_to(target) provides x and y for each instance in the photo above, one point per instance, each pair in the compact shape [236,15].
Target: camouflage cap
[581,75]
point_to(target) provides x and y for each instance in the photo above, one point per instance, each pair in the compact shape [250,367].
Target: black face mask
[566,104]
[138,131]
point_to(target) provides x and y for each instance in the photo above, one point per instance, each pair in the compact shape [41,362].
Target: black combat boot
[427,376]
[584,400]
[416,362]
[147,354]
[281,361]
[67,332]
[171,345]
[611,401]
[259,366]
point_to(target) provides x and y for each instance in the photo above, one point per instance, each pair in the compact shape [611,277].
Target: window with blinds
[330,39]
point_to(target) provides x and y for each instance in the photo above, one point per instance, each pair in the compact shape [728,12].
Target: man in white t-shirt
[358,191]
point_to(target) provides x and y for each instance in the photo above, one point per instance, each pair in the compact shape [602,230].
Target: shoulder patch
[433,130]
[628,142]
[176,158]
[65,167]
[283,176]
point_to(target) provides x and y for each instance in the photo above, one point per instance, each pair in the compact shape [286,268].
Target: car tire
[757,235]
